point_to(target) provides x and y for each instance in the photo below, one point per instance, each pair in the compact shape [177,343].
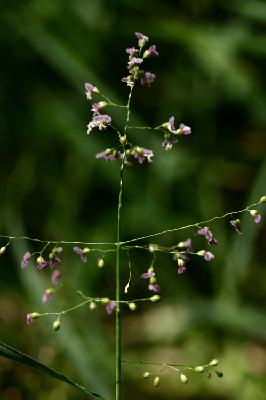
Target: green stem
[117,295]
[118,363]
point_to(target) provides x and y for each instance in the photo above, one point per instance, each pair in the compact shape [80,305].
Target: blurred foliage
[210,75]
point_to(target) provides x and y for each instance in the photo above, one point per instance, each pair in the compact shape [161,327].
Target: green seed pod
[2,250]
[156,381]
[146,374]
[132,306]
[214,362]
[155,298]
[100,262]
[92,305]
[56,325]
[263,199]
[183,379]
[199,368]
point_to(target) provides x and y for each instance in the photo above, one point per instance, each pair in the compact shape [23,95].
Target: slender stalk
[117,295]
[118,363]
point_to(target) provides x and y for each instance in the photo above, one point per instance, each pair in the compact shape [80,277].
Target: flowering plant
[127,153]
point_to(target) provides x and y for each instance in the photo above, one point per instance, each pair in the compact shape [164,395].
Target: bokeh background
[211,76]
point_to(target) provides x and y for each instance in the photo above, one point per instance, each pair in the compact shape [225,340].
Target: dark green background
[210,75]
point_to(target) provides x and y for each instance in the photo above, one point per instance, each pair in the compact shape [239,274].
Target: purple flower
[80,252]
[151,52]
[98,106]
[184,130]
[147,275]
[109,155]
[142,39]
[99,121]
[154,287]
[142,154]
[89,89]
[47,295]
[132,51]
[41,263]
[110,307]
[25,260]
[236,224]
[255,214]
[208,256]
[29,319]
[134,61]
[167,144]
[56,276]
[147,79]
[186,244]
[208,235]
[171,125]
[54,256]
[181,269]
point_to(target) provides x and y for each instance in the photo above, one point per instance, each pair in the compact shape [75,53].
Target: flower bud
[56,325]
[183,378]
[152,248]
[86,250]
[105,300]
[40,260]
[35,315]
[199,368]
[263,199]
[132,306]
[2,250]
[201,252]
[214,362]
[153,280]
[156,381]
[145,375]
[100,262]
[180,262]
[123,139]
[92,305]
[155,298]
[253,213]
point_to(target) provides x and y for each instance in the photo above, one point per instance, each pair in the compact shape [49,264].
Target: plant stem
[118,363]
[117,295]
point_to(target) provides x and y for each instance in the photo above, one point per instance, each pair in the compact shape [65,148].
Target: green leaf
[13,354]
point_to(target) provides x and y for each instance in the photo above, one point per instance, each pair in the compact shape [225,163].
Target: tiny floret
[25,259]
[142,39]
[208,235]
[81,253]
[99,121]
[89,89]
[255,214]
[110,307]
[147,79]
